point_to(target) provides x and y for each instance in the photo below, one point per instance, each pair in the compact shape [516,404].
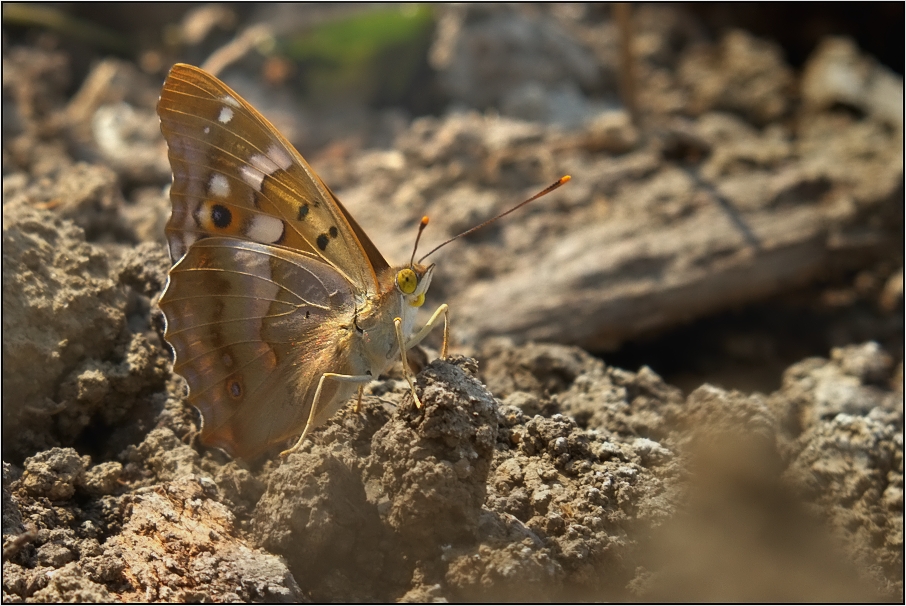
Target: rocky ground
[730,179]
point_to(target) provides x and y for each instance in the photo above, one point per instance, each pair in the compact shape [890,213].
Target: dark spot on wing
[303,211]
[322,241]
[221,216]
[235,389]
[333,231]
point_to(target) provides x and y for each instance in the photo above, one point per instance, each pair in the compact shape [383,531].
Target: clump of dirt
[469,499]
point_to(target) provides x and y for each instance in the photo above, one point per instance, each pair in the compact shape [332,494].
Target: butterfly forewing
[235,175]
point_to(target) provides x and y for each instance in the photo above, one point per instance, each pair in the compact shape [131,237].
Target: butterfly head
[413,281]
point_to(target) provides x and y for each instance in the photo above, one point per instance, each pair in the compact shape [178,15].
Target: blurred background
[736,202]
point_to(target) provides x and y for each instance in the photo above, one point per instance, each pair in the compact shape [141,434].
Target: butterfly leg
[358,402]
[398,327]
[360,379]
[417,337]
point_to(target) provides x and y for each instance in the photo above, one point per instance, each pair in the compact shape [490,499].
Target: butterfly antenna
[543,192]
[421,228]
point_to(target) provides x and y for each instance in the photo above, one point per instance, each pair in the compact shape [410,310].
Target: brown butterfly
[278,305]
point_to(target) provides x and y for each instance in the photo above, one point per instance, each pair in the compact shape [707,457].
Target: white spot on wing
[226,114]
[265,229]
[219,186]
[187,241]
[279,155]
[231,101]
[264,164]
[207,130]
[251,176]
[261,166]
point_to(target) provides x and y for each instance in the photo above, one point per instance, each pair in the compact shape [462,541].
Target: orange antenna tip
[564,179]
[421,228]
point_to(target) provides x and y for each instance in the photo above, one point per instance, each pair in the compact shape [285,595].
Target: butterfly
[278,306]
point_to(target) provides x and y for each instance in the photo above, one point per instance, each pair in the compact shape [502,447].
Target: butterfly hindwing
[248,323]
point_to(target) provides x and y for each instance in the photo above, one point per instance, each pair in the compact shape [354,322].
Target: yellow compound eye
[407,280]
[419,301]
